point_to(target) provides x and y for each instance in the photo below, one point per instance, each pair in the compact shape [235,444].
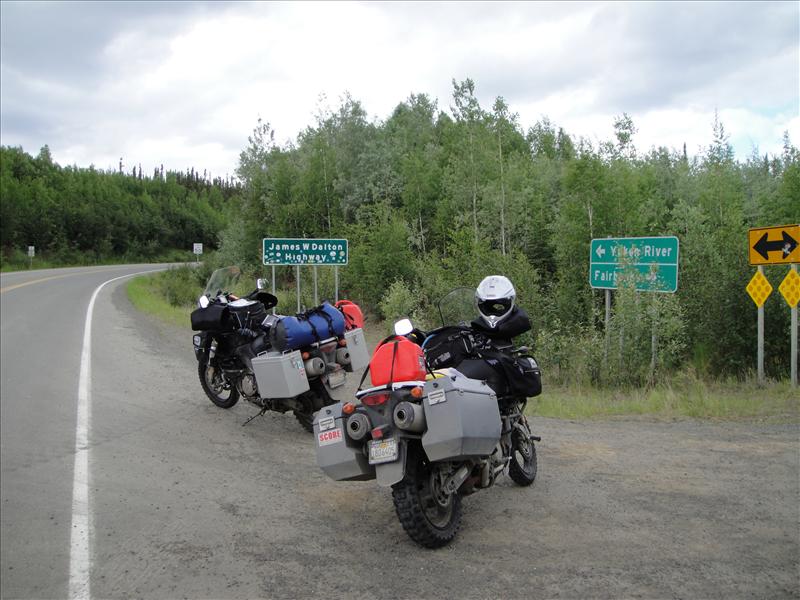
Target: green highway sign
[299,251]
[651,261]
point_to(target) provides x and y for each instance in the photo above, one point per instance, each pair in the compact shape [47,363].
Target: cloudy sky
[184,83]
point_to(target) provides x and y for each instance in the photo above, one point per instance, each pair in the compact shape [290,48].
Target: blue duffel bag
[314,325]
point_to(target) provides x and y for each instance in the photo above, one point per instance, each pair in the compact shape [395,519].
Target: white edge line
[80,554]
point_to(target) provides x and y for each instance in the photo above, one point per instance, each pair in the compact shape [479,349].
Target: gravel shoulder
[190,504]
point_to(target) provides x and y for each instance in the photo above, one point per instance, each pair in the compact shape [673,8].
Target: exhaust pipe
[314,366]
[410,417]
[343,356]
[357,426]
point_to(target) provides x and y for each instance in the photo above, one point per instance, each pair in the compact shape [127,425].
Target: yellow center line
[40,280]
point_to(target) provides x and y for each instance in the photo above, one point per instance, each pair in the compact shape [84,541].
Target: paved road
[42,317]
[184,502]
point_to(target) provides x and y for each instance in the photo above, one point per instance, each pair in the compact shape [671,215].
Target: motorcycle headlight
[196,340]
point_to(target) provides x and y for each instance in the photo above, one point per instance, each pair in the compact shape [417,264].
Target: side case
[357,348]
[280,375]
[339,457]
[463,419]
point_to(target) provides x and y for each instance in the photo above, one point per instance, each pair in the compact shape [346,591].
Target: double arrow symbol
[786,245]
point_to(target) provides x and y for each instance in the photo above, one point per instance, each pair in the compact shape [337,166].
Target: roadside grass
[18,261]
[685,396]
[146,296]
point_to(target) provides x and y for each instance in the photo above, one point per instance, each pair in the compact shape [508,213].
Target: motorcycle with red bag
[443,418]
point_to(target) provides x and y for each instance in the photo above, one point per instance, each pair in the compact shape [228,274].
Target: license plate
[336,378]
[381,451]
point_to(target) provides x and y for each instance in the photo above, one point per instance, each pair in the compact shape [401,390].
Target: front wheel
[523,465]
[218,389]
[430,516]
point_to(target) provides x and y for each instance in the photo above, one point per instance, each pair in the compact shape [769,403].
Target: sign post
[197,249]
[302,251]
[31,254]
[297,271]
[759,289]
[760,350]
[776,245]
[654,259]
[790,290]
[273,286]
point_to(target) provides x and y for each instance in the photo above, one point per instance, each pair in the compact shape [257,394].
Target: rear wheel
[216,386]
[312,402]
[430,516]
[305,419]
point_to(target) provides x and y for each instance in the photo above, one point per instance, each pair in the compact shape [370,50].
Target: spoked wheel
[430,516]
[523,466]
[313,401]
[305,419]
[218,389]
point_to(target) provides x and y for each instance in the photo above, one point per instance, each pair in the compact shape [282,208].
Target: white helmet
[495,299]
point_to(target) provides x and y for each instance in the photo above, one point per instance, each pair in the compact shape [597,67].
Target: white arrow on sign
[600,252]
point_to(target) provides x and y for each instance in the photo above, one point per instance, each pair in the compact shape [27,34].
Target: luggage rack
[330,340]
[394,386]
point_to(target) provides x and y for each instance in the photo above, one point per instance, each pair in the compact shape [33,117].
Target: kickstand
[258,414]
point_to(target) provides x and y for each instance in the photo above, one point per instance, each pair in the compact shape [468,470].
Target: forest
[430,199]
[75,215]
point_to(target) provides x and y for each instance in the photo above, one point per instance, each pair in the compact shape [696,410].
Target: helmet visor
[495,308]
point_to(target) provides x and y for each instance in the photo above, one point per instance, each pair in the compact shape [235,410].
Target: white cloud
[186,86]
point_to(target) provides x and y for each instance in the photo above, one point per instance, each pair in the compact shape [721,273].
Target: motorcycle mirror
[203,301]
[403,327]
[261,284]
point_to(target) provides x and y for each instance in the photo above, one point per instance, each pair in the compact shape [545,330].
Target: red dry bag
[397,359]
[353,317]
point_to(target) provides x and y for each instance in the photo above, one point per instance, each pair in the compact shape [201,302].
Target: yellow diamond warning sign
[790,288]
[759,289]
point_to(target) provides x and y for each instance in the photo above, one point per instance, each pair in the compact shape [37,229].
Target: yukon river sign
[301,251]
[654,259]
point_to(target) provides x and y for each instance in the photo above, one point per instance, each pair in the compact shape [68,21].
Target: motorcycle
[241,351]
[435,436]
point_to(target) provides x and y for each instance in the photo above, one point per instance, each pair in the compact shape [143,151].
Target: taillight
[375,399]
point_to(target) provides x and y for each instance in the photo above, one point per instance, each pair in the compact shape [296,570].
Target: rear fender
[388,474]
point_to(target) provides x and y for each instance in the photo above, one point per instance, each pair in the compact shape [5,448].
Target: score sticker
[329,437]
